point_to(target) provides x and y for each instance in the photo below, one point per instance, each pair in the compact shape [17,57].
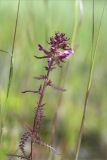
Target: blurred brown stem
[54,121]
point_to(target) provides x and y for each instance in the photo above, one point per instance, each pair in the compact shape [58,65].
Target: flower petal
[65,54]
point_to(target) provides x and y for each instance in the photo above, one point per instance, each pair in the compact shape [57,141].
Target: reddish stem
[43,87]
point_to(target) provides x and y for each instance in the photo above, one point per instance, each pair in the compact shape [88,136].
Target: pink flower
[65,54]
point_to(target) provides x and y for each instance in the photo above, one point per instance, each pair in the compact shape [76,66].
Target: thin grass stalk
[77,25]
[10,72]
[12,53]
[93,55]
[93,24]
[78,20]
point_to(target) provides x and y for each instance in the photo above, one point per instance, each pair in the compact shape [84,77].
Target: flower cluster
[59,48]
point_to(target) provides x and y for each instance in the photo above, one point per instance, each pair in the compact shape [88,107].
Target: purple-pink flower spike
[59,48]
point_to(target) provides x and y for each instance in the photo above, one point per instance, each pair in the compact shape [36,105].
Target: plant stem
[39,105]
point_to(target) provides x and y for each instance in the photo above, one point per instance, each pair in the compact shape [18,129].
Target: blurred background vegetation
[38,20]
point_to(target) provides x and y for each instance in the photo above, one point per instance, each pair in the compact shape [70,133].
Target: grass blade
[11,60]
[93,55]
[10,75]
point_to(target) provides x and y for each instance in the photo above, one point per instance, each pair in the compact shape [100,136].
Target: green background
[38,20]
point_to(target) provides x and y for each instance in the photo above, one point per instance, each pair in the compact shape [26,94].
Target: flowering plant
[59,50]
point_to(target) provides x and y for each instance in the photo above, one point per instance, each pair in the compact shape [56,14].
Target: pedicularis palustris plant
[59,50]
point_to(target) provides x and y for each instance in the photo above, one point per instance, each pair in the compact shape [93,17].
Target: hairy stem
[39,105]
